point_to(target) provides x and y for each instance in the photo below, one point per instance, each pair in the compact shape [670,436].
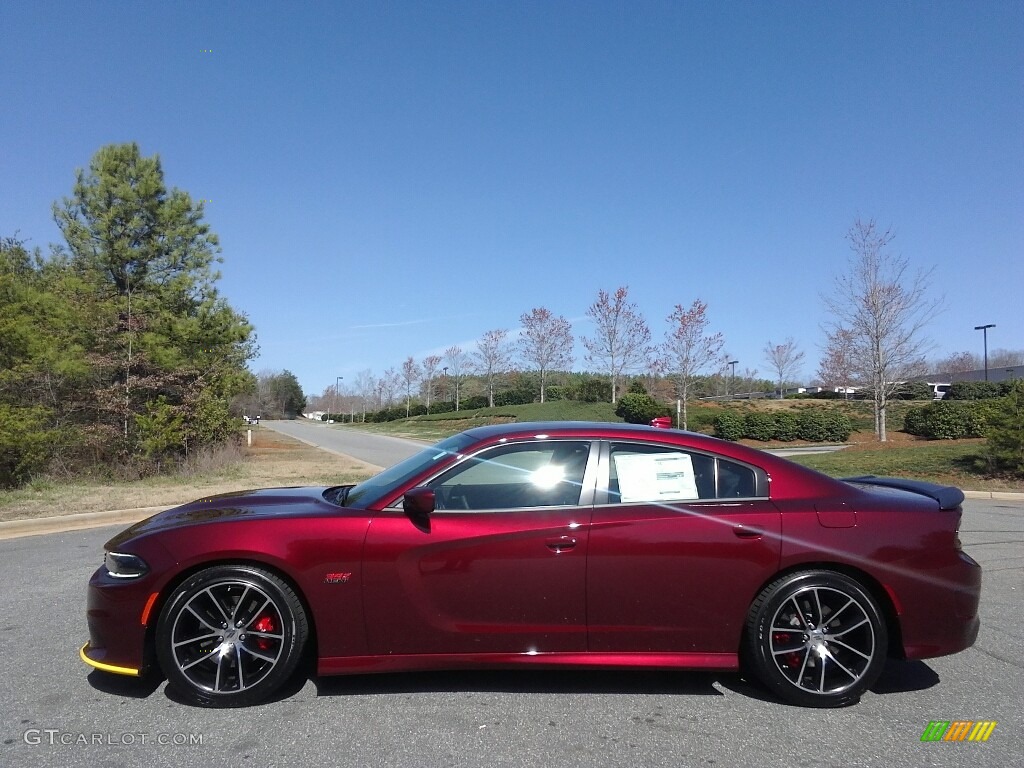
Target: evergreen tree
[118,346]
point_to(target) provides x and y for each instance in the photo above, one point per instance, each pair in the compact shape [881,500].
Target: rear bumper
[948,622]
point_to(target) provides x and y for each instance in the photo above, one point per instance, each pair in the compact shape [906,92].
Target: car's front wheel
[230,636]
[817,638]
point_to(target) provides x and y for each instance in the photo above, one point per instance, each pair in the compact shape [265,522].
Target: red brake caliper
[264,624]
[791,660]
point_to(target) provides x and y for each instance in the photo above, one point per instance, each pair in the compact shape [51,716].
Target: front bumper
[86,653]
[117,613]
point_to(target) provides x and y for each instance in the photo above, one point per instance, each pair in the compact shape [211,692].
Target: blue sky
[389,179]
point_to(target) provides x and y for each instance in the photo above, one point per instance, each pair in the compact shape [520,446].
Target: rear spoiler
[947,496]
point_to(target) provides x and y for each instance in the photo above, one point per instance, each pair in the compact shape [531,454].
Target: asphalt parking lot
[56,712]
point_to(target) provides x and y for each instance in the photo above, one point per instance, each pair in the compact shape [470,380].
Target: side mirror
[418,502]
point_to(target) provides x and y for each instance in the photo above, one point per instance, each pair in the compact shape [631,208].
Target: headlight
[125,566]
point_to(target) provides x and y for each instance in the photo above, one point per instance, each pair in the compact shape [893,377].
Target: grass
[277,460]
[437,426]
[945,462]
[273,460]
[949,463]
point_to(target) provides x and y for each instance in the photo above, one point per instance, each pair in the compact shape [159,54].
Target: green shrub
[441,406]
[729,425]
[828,395]
[555,393]
[25,443]
[593,391]
[514,397]
[787,426]
[638,408]
[977,390]
[1005,446]
[385,414]
[946,422]
[811,425]
[914,390]
[837,426]
[161,429]
[472,403]
[949,420]
[759,425]
[699,419]
[916,421]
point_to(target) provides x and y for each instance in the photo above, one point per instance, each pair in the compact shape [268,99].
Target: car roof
[592,428]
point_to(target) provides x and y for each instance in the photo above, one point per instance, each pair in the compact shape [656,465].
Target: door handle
[561,543]
[744,532]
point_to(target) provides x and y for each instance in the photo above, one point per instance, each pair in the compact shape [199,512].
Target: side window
[658,473]
[651,473]
[735,481]
[534,474]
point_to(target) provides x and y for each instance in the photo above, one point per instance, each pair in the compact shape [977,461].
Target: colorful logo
[958,730]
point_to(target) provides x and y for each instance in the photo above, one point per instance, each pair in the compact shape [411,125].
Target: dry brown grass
[273,460]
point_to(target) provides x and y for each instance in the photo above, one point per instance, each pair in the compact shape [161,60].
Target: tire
[230,636]
[816,639]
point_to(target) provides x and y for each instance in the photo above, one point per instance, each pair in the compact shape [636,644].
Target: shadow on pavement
[121,685]
[905,676]
[528,681]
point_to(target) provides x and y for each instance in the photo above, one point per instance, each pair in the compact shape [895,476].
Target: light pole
[444,375]
[984,333]
[732,375]
[334,401]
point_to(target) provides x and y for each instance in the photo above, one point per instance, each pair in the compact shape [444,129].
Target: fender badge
[337,578]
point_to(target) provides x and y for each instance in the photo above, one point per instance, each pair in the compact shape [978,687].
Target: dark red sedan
[548,545]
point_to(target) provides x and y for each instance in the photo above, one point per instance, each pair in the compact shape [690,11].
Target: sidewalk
[13,529]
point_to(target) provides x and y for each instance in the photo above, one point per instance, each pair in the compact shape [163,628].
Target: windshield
[378,486]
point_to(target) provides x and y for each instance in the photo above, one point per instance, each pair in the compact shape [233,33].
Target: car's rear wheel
[230,636]
[816,638]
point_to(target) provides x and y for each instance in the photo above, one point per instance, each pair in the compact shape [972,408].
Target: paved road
[381,450]
[583,719]
[384,450]
[804,450]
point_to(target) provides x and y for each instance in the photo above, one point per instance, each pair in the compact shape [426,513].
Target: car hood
[239,505]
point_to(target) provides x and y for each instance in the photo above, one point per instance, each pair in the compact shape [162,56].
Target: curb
[14,529]
[996,495]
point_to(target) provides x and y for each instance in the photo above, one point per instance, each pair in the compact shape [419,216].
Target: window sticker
[655,476]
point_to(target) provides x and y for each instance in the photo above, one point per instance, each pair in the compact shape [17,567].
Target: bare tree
[1005,358]
[621,341]
[654,372]
[546,342]
[748,381]
[688,348]
[386,386]
[458,363]
[493,358]
[835,369]
[364,387]
[885,309]
[410,376]
[784,360]
[958,362]
[430,364]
